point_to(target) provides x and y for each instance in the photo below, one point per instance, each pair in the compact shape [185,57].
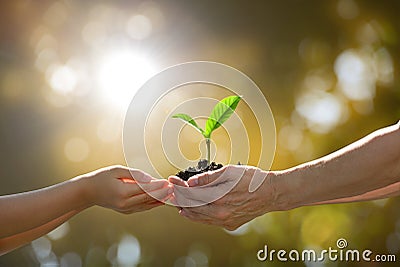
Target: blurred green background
[329,70]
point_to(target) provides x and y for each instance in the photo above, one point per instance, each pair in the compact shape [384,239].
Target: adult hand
[124,190]
[246,192]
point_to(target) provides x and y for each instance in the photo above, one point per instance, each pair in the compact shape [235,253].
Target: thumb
[140,176]
[205,178]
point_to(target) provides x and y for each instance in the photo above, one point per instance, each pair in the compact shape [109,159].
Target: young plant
[221,112]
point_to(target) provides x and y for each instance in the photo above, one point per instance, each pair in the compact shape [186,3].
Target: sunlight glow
[121,74]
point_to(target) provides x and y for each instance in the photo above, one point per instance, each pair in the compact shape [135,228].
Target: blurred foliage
[329,70]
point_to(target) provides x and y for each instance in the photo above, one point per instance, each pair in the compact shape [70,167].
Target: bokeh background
[329,70]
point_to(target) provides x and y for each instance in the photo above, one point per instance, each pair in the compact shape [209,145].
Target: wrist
[286,186]
[85,194]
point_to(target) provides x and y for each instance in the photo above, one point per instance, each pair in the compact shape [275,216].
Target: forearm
[392,190]
[25,211]
[369,164]
[10,243]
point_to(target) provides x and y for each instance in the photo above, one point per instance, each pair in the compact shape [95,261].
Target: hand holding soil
[351,174]
[223,198]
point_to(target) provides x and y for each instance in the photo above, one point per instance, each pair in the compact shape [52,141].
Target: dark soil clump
[201,167]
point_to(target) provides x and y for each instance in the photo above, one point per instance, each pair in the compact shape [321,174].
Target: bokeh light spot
[56,14]
[383,66]
[46,58]
[139,27]
[321,110]
[93,33]
[59,232]
[109,130]
[367,35]
[128,253]
[70,259]
[185,262]
[41,247]
[46,41]
[62,79]
[76,149]
[290,137]
[321,225]
[356,78]
[347,9]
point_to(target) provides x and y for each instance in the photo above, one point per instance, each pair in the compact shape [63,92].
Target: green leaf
[187,119]
[221,112]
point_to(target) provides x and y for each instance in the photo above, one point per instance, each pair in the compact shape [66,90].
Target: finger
[154,185]
[140,176]
[177,181]
[193,181]
[132,189]
[143,208]
[162,194]
[183,197]
[148,199]
[201,195]
[210,177]
[173,201]
[125,172]
[215,177]
[169,195]
[154,204]
[202,179]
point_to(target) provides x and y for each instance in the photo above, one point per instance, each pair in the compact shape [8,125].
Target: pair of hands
[228,197]
[234,195]
[124,189]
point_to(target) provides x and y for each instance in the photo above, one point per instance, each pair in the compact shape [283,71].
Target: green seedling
[221,113]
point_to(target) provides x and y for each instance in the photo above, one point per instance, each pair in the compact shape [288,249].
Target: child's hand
[117,188]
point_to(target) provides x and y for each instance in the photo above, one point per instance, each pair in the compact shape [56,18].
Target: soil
[201,167]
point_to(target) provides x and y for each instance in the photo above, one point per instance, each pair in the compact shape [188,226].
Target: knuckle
[228,167]
[222,215]
[115,167]
[112,169]
[222,201]
[147,198]
[204,179]
[121,205]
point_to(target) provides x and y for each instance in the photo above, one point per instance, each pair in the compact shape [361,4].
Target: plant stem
[208,150]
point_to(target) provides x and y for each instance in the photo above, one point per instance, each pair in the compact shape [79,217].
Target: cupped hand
[125,190]
[245,192]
